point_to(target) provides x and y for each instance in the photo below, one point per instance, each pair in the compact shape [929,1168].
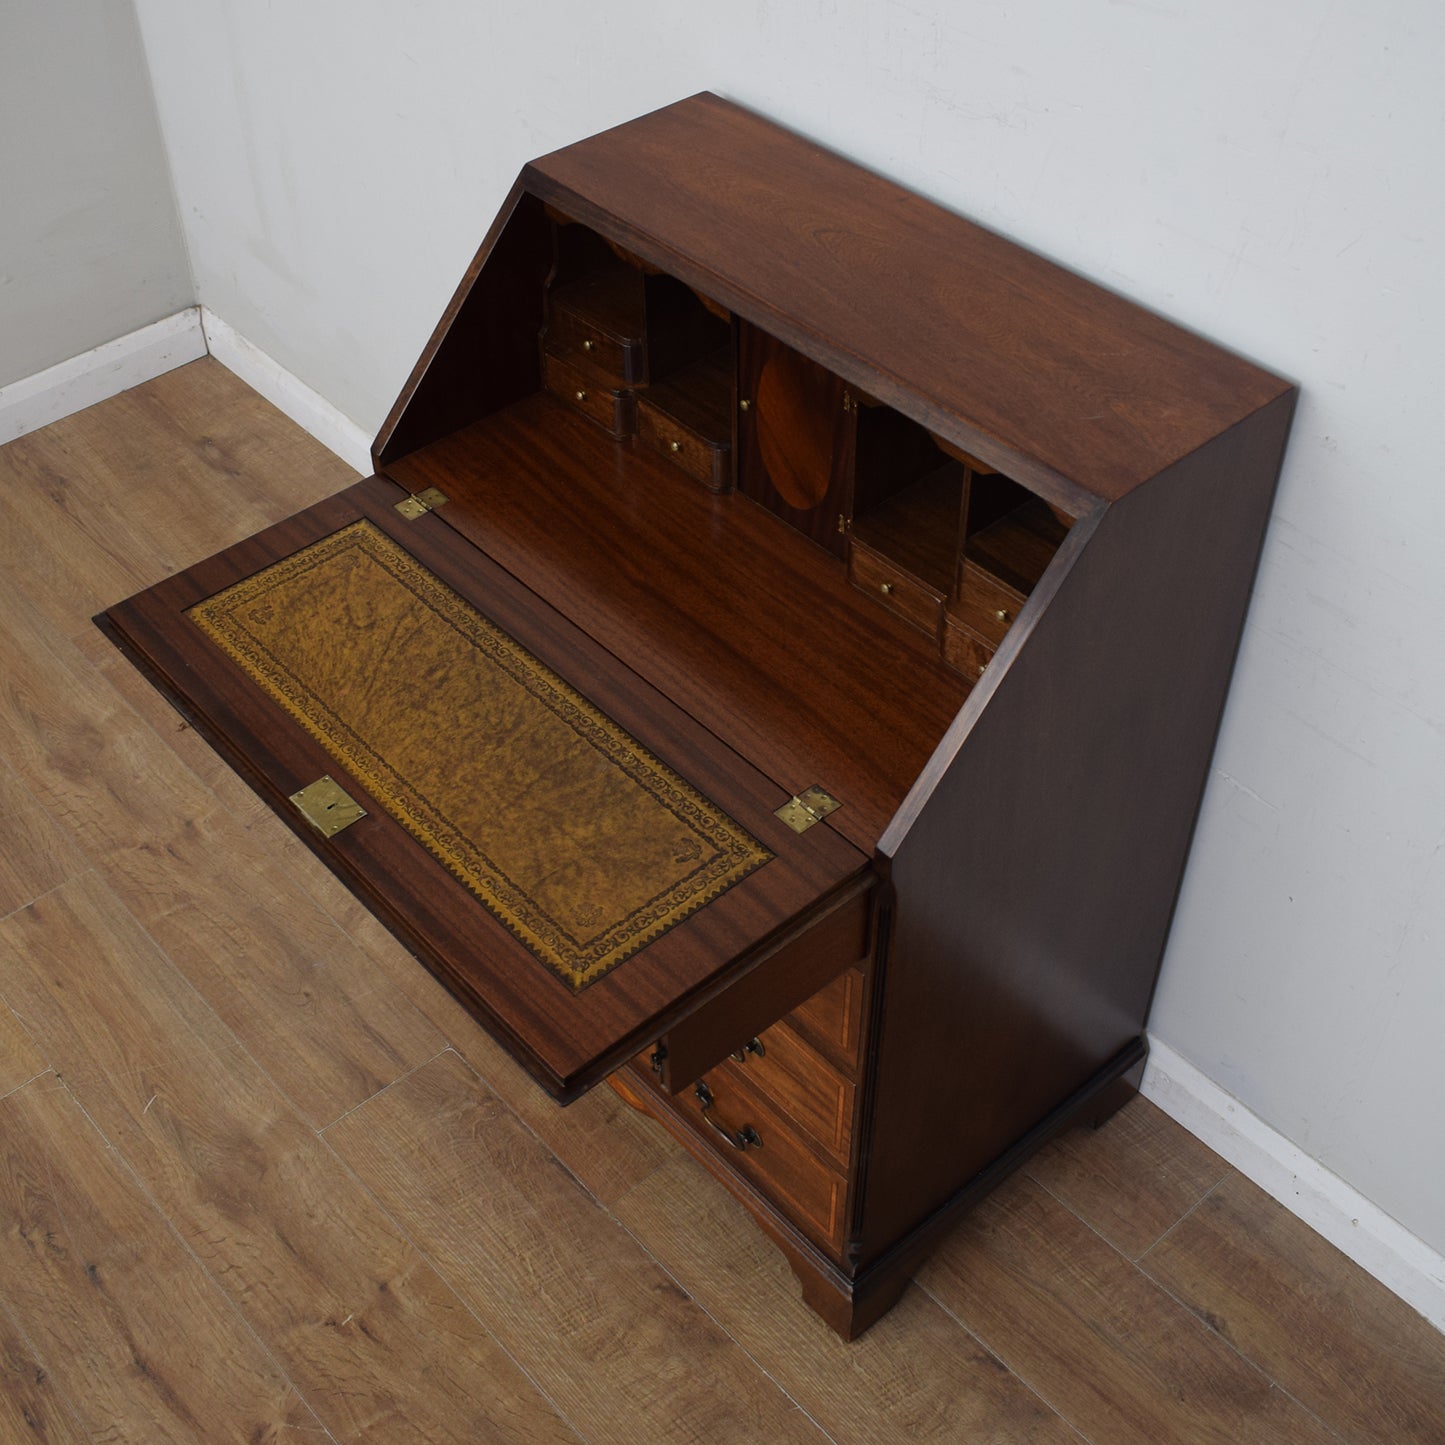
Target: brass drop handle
[753,1046]
[581,396]
[886,588]
[745,1138]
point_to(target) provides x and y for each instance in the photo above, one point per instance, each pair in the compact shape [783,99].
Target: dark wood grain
[832,1019]
[796,969]
[490,331]
[802,1193]
[1037,878]
[1020,817]
[1041,373]
[168,472]
[710,598]
[813,1096]
[796,439]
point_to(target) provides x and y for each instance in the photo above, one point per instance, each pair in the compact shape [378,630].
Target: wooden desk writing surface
[735,476]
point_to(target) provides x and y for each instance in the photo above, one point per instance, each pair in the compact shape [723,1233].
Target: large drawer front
[747,1134]
[797,1083]
[780,1112]
[814,1195]
[832,1019]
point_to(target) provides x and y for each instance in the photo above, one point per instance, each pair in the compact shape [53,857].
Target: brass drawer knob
[753,1046]
[589,346]
[674,446]
[581,396]
[1002,614]
[744,404]
[886,588]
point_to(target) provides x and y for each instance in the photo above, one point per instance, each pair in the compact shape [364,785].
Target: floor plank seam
[376,1094]
[1219,1334]
[234,1042]
[40,897]
[526,1125]
[747,1354]
[221,804]
[425,1257]
[1138,1266]
[25,1084]
[226,1301]
[993,1354]
[1184,1218]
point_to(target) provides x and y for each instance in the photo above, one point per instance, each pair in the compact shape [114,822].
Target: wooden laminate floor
[263,1181]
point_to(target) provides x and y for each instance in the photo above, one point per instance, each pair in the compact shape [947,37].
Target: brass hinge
[845,524]
[810,806]
[420,503]
[327,806]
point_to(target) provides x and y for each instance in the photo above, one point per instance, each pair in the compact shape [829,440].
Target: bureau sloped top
[1066,387]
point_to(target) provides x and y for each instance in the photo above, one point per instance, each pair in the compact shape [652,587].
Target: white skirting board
[308,409]
[106,371]
[1403,1263]
[98,374]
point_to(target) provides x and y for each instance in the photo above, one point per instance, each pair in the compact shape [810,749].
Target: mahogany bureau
[774,667]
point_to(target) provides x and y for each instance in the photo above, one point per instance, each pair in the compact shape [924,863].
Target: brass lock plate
[327,806]
[810,806]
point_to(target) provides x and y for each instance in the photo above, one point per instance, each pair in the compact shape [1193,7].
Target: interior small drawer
[699,456]
[912,600]
[586,388]
[964,650]
[576,335]
[985,604]
[800,1085]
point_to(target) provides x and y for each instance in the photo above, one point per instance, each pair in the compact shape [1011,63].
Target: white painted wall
[90,244]
[1267,171]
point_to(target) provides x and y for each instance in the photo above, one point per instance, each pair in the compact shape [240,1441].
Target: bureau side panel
[1035,882]
[483,354]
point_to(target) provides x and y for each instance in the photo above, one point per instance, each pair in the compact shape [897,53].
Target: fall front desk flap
[576,858]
